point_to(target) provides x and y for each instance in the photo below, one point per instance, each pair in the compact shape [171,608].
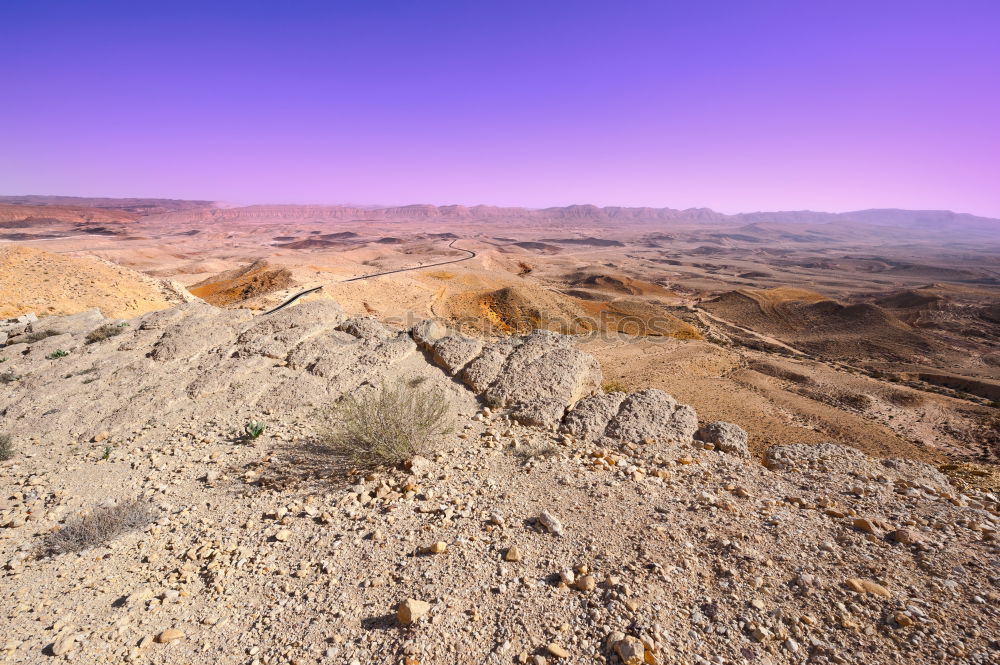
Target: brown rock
[630,650]
[905,536]
[513,554]
[865,525]
[169,635]
[868,586]
[411,610]
[557,651]
[64,645]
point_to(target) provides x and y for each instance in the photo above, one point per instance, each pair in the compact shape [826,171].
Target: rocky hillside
[555,524]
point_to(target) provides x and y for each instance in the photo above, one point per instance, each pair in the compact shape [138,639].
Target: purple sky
[737,105]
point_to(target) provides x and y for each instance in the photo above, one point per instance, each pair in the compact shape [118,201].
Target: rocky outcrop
[538,376]
[835,460]
[633,418]
[196,361]
[454,352]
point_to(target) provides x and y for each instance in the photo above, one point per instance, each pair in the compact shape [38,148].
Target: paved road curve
[471,255]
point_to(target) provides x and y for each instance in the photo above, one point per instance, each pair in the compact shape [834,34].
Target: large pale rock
[652,414]
[539,412]
[727,437]
[275,334]
[365,327]
[81,323]
[427,332]
[483,370]
[565,374]
[202,329]
[591,415]
[539,375]
[454,352]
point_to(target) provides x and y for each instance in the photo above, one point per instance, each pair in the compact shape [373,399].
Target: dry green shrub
[6,448]
[614,386]
[856,401]
[536,450]
[100,526]
[385,426]
[37,336]
[781,373]
[107,331]
[903,398]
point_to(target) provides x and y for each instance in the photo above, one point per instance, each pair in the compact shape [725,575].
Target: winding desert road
[471,255]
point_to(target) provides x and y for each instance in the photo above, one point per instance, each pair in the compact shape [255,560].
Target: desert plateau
[674,436]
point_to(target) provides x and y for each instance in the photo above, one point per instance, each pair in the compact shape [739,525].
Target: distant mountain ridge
[183,210]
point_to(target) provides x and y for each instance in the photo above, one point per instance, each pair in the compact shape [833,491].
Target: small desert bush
[614,387]
[856,401]
[8,377]
[99,526]
[37,336]
[58,353]
[385,426]
[253,429]
[6,448]
[536,450]
[107,331]
[901,398]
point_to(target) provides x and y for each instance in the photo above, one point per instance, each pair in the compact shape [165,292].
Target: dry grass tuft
[99,526]
[386,426]
[614,386]
[37,336]
[536,450]
[904,398]
[106,331]
[6,448]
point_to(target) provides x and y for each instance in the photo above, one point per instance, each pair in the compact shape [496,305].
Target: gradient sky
[735,105]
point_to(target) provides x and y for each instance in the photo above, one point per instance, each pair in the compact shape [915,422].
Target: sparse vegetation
[6,448]
[901,398]
[615,386]
[253,429]
[99,526]
[106,331]
[37,336]
[537,450]
[89,370]
[106,455]
[386,426]
[9,377]
[58,353]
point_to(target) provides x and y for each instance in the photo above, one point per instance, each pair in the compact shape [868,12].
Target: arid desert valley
[675,436]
